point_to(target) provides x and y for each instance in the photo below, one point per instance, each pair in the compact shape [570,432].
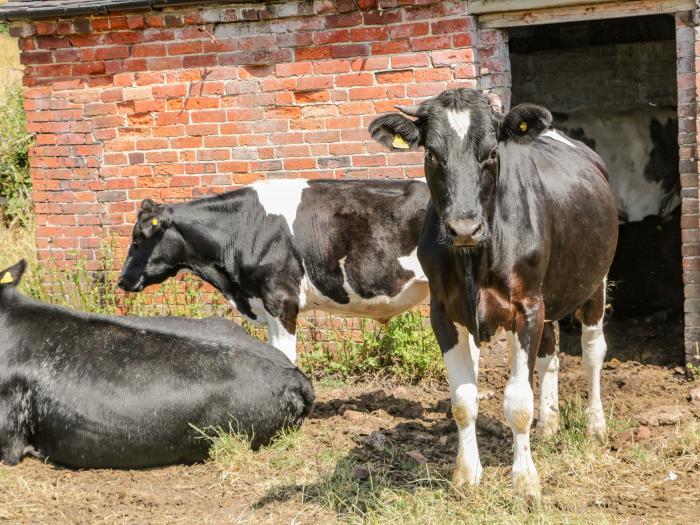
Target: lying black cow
[92,391]
[278,248]
[521,230]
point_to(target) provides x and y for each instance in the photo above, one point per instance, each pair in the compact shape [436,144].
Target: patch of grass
[15,181]
[404,349]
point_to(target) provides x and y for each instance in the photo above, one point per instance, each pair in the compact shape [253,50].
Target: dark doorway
[612,84]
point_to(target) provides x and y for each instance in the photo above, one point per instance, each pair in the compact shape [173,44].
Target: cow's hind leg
[594,347]
[547,367]
[462,361]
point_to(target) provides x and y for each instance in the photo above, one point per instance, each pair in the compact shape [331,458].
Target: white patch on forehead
[460,121]
[553,134]
[281,197]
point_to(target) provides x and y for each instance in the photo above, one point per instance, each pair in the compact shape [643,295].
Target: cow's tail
[302,398]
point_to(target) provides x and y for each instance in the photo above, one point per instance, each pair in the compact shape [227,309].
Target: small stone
[353,415]
[442,441]
[486,394]
[360,472]
[345,407]
[377,396]
[376,440]
[642,434]
[663,415]
[626,435]
[416,456]
[694,395]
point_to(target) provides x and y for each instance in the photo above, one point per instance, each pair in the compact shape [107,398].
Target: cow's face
[156,252]
[461,135]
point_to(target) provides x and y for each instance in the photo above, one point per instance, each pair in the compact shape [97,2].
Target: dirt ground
[413,418]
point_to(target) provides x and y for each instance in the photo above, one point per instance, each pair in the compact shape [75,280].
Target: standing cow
[521,231]
[93,391]
[275,249]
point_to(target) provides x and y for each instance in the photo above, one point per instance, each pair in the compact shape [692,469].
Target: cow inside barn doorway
[612,84]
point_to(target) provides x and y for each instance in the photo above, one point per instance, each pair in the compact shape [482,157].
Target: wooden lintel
[555,15]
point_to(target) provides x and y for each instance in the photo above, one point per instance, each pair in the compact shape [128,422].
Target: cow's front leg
[594,348]
[548,379]
[462,362]
[281,337]
[518,402]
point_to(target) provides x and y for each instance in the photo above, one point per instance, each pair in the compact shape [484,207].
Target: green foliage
[15,181]
[404,349]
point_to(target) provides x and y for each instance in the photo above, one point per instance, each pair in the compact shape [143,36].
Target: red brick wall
[185,102]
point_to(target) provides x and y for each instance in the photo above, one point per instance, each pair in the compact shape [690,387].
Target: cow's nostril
[451,230]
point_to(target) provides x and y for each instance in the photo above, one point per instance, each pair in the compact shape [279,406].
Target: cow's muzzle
[465,233]
[130,286]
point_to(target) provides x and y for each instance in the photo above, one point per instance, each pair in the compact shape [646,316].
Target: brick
[293,69]
[344,20]
[123,37]
[307,97]
[456,25]
[431,42]
[382,17]
[447,58]
[350,50]
[312,53]
[395,77]
[332,37]
[369,34]
[354,79]
[391,47]
[112,53]
[362,93]
[409,30]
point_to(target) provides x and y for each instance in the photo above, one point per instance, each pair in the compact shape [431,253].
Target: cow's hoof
[549,426]
[598,432]
[527,486]
[596,426]
[463,477]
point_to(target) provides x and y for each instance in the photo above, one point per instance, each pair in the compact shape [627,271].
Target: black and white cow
[92,391]
[275,249]
[639,146]
[521,232]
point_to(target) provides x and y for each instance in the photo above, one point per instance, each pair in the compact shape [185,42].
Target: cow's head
[156,249]
[461,135]
[12,276]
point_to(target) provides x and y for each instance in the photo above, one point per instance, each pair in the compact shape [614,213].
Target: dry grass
[10,68]
[582,479]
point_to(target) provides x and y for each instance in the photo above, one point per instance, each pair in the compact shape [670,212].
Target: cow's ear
[396,132]
[12,276]
[148,205]
[524,123]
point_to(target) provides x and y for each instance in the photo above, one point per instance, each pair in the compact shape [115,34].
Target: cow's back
[358,241]
[567,209]
[131,393]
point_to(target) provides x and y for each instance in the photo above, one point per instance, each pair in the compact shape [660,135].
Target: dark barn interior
[612,84]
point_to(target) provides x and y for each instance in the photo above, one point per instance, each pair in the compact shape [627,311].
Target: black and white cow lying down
[520,233]
[91,391]
[278,248]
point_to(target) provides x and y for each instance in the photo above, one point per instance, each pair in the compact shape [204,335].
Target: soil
[642,373]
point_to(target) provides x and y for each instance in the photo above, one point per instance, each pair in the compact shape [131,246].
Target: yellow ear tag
[400,143]
[154,222]
[523,126]
[7,278]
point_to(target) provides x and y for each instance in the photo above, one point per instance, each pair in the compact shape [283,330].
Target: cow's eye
[431,156]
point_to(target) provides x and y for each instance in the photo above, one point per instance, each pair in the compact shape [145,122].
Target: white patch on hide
[410,263]
[555,135]
[281,197]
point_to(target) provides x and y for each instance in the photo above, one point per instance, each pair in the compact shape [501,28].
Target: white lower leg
[462,363]
[281,339]
[594,348]
[548,378]
[518,404]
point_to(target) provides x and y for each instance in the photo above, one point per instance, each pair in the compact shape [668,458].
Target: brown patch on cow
[591,312]
[521,420]
[461,414]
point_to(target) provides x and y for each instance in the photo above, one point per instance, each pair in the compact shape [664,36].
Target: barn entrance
[612,84]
